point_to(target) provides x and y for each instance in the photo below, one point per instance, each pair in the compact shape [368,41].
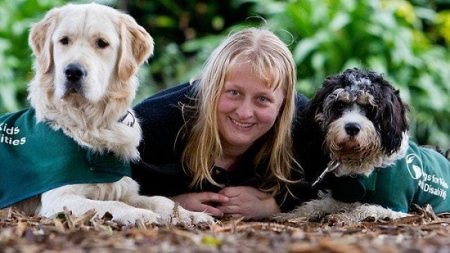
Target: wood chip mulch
[421,232]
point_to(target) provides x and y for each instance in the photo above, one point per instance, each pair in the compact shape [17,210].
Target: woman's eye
[101,43]
[64,40]
[263,99]
[233,92]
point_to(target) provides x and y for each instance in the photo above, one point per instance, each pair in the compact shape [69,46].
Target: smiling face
[247,108]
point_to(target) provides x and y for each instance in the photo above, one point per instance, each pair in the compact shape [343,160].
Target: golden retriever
[87,56]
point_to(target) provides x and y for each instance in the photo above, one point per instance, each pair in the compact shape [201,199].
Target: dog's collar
[128,119]
[333,165]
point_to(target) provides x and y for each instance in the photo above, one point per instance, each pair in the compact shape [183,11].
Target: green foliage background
[408,41]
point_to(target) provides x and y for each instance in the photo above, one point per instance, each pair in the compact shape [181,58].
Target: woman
[222,144]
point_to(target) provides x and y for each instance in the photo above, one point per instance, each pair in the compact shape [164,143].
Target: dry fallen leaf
[423,231]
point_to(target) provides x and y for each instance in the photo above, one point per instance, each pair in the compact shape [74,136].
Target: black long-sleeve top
[160,171]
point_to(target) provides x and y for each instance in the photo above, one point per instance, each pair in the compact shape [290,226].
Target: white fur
[345,212]
[122,200]
[90,116]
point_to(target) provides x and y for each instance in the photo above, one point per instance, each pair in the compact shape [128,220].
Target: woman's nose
[245,109]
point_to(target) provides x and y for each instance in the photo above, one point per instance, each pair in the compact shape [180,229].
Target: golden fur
[106,47]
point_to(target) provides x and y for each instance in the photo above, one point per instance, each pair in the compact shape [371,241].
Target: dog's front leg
[127,191]
[54,201]
[313,209]
[318,208]
[361,212]
[378,212]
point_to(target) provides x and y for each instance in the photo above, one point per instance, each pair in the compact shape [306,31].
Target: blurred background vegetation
[408,41]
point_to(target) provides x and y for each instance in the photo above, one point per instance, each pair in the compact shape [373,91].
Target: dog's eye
[339,105]
[369,109]
[64,40]
[101,43]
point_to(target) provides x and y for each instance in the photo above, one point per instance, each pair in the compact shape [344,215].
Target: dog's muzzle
[74,73]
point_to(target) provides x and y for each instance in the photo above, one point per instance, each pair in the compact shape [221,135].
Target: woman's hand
[202,202]
[248,202]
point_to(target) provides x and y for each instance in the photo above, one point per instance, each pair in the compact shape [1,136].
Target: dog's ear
[40,40]
[393,119]
[136,46]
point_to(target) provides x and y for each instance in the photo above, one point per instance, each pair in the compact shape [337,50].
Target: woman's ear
[136,46]
[40,41]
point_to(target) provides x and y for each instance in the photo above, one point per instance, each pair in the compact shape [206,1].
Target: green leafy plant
[15,61]
[185,32]
[407,41]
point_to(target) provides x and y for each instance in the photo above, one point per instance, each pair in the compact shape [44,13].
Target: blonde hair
[272,61]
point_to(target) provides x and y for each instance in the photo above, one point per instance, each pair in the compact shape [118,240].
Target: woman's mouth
[240,124]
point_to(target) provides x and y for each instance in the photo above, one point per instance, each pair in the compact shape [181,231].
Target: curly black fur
[388,117]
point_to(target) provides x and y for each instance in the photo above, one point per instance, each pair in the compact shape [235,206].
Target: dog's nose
[352,129]
[74,72]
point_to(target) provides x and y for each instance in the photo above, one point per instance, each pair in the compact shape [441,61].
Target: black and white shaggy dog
[353,145]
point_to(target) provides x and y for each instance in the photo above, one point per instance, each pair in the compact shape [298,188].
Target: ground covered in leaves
[421,232]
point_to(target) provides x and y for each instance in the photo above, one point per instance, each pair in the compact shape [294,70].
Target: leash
[331,167]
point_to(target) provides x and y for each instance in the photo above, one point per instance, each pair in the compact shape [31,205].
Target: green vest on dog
[421,177]
[34,158]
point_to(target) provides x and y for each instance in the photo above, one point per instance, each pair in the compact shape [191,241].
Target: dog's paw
[128,217]
[172,213]
[282,217]
[186,217]
[378,212]
[307,211]
[299,214]
[343,218]
[396,215]
[356,216]
[181,216]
